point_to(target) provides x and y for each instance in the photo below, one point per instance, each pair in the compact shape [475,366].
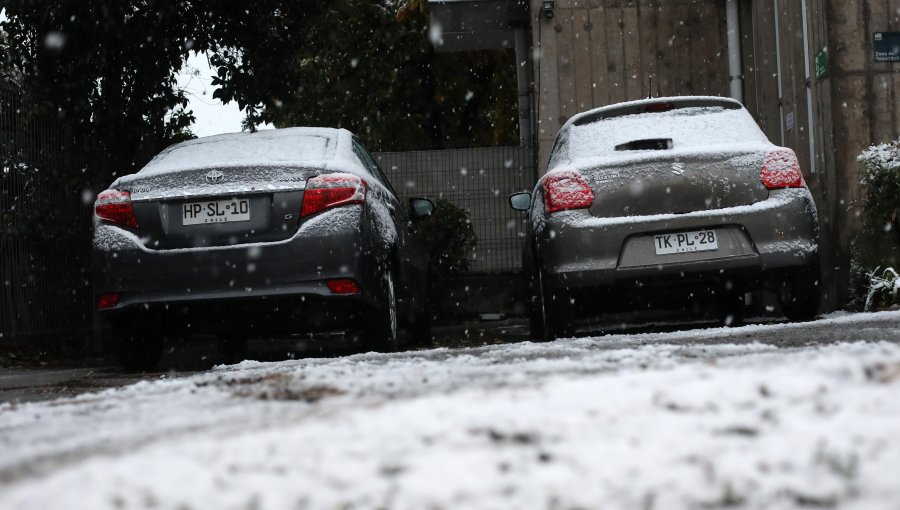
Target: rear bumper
[284,279]
[269,315]
[578,251]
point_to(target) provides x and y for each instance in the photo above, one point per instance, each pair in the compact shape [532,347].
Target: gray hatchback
[279,231]
[675,203]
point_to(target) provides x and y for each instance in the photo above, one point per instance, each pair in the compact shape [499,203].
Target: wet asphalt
[38,381]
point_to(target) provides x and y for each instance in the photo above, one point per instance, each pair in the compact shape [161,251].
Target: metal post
[523,88]
[809,91]
[735,72]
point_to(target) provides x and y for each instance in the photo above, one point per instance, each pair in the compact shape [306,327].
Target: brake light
[342,286]
[115,207]
[781,170]
[659,107]
[332,190]
[107,301]
[566,190]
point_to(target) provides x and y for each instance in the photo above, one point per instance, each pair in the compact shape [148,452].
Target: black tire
[536,308]
[799,293]
[557,315]
[233,349]
[731,309]
[418,330]
[136,351]
[380,333]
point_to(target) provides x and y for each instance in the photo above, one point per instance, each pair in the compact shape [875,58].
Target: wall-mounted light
[547,8]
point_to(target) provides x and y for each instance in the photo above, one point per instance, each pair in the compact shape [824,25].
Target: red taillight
[564,190]
[781,170]
[115,206]
[342,286]
[332,190]
[107,301]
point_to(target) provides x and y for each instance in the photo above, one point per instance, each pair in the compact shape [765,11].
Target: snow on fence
[478,180]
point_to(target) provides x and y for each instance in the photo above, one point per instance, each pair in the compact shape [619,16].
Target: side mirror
[420,207]
[520,201]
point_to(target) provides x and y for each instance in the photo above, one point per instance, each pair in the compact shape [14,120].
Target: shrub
[881,184]
[884,290]
[879,243]
[449,238]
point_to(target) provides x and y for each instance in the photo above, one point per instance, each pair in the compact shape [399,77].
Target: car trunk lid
[217,206]
[675,183]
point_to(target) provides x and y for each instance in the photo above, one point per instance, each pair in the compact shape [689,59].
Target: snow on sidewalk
[571,424]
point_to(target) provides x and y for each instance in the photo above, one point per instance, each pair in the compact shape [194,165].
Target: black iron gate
[478,180]
[44,227]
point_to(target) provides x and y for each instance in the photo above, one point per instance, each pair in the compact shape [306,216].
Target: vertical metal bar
[778,71]
[809,90]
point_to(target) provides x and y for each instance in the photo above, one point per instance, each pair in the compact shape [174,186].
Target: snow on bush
[884,289]
[873,249]
[881,183]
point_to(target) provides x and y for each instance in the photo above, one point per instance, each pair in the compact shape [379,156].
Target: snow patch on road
[623,421]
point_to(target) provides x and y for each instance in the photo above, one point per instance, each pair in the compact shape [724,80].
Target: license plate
[215,211]
[685,242]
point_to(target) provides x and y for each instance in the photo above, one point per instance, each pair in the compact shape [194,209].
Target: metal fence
[44,227]
[478,180]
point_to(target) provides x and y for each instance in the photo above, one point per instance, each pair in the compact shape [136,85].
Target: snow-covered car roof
[685,125]
[641,106]
[299,146]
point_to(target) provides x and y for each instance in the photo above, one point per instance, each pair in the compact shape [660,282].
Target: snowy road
[780,416]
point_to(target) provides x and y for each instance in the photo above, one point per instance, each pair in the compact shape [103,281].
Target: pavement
[41,376]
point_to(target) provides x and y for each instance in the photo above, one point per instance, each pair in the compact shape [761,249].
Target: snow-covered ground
[699,419]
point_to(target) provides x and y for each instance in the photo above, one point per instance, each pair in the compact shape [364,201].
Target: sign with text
[821,63]
[887,46]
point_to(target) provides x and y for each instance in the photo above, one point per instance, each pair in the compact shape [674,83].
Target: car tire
[135,351]
[798,293]
[418,330]
[380,333]
[536,307]
[233,349]
[731,309]
[556,309]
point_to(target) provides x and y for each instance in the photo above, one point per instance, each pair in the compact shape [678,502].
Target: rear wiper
[654,144]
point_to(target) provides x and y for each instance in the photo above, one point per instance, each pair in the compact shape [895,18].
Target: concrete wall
[833,117]
[864,107]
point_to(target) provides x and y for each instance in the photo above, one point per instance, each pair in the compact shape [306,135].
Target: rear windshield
[691,128]
[263,148]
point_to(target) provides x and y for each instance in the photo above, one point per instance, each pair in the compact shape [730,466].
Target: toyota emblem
[215,177]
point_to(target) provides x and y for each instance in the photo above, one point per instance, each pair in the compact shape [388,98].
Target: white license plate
[685,242]
[215,211]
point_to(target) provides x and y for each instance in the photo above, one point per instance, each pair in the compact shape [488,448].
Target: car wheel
[557,316]
[419,328]
[135,351]
[731,309]
[536,308]
[798,293]
[233,349]
[381,333]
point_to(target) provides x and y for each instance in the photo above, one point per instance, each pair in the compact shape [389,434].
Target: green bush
[879,243]
[884,289]
[881,185]
[449,238]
